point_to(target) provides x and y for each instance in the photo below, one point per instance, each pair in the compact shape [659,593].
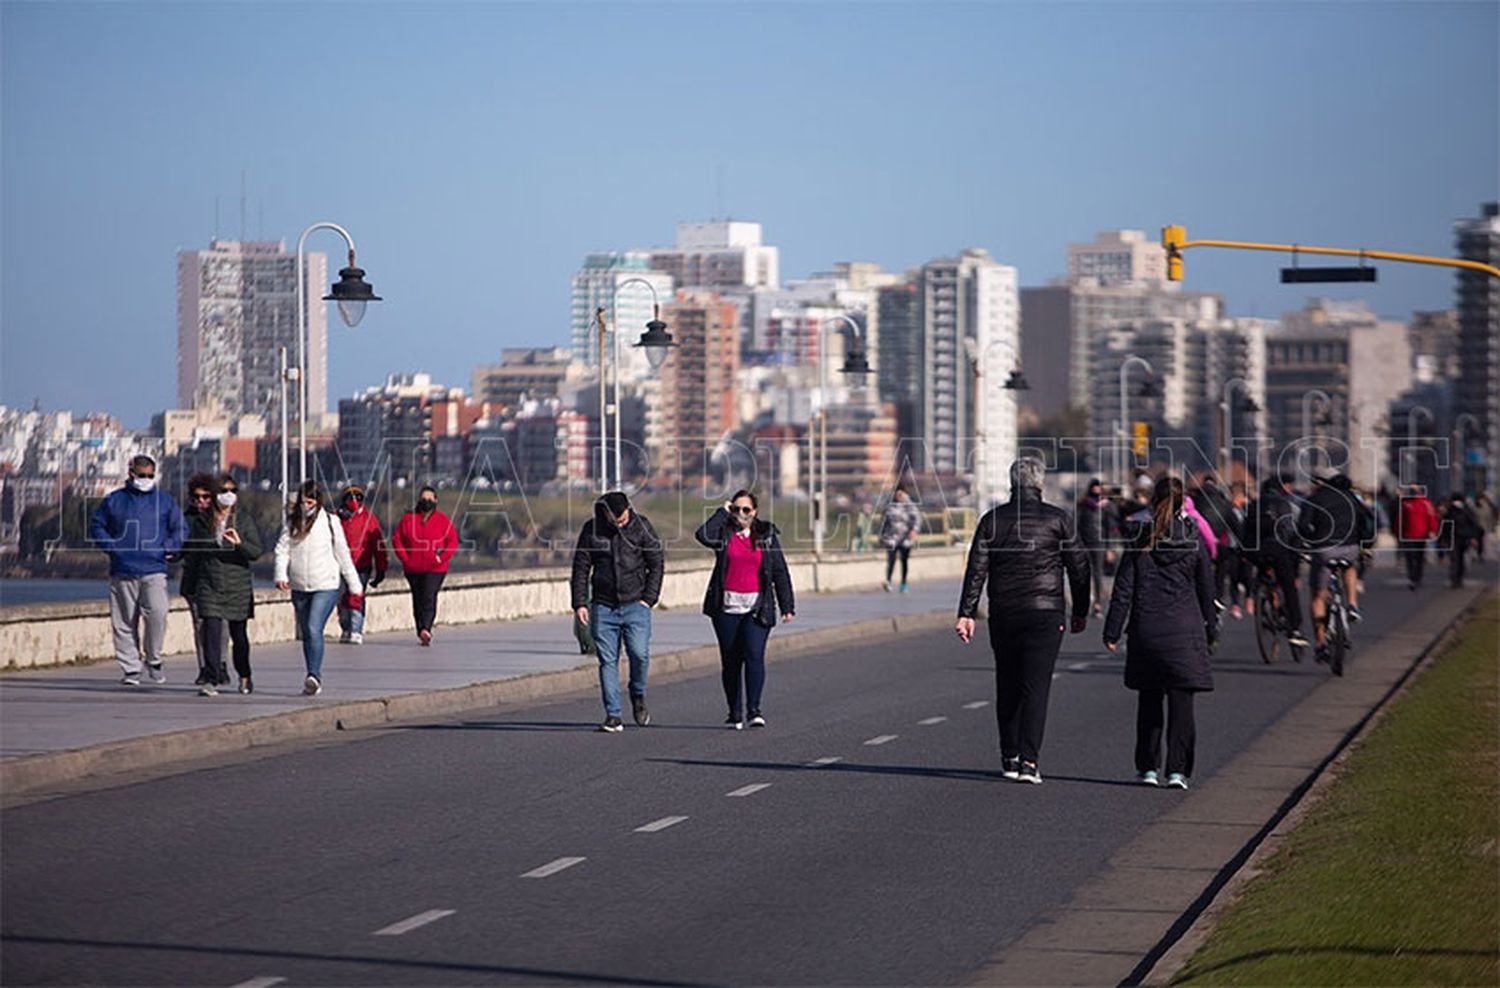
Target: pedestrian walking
[1021,549]
[200,499]
[1163,604]
[140,527]
[367,548]
[1097,529]
[898,533]
[1460,532]
[1484,517]
[619,558]
[220,549]
[425,543]
[1233,577]
[749,586]
[313,561]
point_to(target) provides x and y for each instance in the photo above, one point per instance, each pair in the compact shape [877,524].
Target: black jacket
[1167,595]
[1022,547]
[775,580]
[625,563]
[1331,517]
[217,577]
[1096,523]
[1275,523]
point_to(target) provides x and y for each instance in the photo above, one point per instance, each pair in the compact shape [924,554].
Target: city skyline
[466,150]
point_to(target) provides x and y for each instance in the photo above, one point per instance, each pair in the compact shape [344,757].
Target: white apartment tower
[595,286]
[236,305]
[1118,257]
[720,254]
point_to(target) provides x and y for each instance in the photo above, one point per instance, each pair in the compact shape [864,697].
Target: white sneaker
[155,672]
[355,638]
[208,689]
[311,686]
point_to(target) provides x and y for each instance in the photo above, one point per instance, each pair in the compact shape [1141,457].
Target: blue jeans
[351,621]
[742,655]
[630,623]
[312,609]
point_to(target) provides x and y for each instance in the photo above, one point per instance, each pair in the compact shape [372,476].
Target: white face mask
[143,484]
[227,499]
[309,512]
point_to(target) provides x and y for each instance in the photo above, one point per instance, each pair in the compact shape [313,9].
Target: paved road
[404,856]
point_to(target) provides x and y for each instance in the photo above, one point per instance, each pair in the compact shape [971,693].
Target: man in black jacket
[1331,526]
[1021,548]
[1275,546]
[619,557]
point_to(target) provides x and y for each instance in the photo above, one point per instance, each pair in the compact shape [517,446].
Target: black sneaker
[1030,773]
[612,725]
[734,722]
[1321,655]
[1010,768]
[756,720]
[638,709]
[1355,616]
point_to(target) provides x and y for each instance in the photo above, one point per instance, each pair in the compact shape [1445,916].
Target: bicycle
[1337,641]
[1271,625]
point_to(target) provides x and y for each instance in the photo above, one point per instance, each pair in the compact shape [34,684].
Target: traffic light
[1172,238]
[1140,438]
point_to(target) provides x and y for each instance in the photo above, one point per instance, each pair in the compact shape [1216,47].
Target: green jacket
[217,577]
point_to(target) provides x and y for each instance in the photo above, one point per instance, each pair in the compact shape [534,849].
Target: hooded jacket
[1417,519]
[775,580]
[366,541]
[138,531]
[620,565]
[1332,517]
[216,575]
[425,543]
[1021,548]
[1275,522]
[1163,600]
[899,524]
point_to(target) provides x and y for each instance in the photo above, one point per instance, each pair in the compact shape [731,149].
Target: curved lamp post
[1148,390]
[1324,415]
[1226,407]
[1016,381]
[1411,434]
[657,343]
[352,293]
[857,365]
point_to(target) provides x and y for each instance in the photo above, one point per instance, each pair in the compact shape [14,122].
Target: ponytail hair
[1166,505]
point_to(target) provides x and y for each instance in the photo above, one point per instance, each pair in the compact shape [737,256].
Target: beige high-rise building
[1118,257]
[697,380]
[236,305]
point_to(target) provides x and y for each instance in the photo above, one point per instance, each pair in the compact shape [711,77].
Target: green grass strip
[1394,878]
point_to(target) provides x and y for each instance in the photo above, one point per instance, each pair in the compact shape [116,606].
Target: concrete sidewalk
[76,707]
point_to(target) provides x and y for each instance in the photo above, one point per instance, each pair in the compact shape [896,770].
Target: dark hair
[297,522]
[1166,505]
[142,460]
[228,478]
[425,488]
[201,482]
[744,493]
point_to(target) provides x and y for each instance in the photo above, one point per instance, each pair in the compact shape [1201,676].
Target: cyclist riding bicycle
[1276,547]
[1332,526]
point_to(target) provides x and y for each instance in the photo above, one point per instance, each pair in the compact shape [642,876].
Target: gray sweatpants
[132,600]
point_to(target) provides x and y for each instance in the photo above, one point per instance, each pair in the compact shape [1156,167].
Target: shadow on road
[918,771]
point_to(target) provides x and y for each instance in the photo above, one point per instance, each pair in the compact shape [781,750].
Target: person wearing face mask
[312,560]
[425,542]
[749,586]
[140,527]
[220,549]
[367,545]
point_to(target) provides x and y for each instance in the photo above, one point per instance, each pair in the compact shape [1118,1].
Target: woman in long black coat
[1163,600]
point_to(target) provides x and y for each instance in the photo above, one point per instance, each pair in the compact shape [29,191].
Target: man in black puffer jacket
[619,557]
[1021,548]
[1331,525]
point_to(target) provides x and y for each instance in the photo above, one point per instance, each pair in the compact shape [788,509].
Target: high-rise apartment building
[1118,257]
[596,286]
[527,374]
[898,337]
[1478,391]
[236,305]
[697,390]
[720,254]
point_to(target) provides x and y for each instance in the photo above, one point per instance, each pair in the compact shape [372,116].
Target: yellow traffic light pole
[1174,239]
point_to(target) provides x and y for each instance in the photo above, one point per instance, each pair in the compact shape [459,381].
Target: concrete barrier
[37,635]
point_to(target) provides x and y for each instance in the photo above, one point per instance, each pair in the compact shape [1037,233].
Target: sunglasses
[742,509]
[202,496]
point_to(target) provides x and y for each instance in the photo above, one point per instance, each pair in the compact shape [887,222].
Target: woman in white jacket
[312,560]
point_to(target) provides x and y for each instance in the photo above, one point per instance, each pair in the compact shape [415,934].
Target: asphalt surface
[402,856]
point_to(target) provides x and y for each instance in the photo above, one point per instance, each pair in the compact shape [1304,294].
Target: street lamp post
[657,343]
[287,375]
[1125,411]
[1226,407]
[1460,450]
[857,365]
[1015,382]
[1307,419]
[351,292]
[1411,433]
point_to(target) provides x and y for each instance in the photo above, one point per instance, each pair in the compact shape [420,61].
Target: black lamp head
[351,292]
[1016,382]
[657,343]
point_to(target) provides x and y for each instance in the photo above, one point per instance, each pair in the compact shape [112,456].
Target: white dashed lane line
[749,790]
[976,704]
[553,867]
[662,824]
[413,922]
[261,982]
[882,739]
[825,760]
[930,721]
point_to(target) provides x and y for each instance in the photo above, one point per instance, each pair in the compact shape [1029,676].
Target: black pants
[1227,575]
[1182,733]
[1284,565]
[1414,553]
[1096,574]
[1456,555]
[902,552]
[1025,644]
[424,595]
[213,650]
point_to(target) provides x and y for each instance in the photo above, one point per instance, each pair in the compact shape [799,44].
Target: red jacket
[425,545]
[1418,518]
[366,542]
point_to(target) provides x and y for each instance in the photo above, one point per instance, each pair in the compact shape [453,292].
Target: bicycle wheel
[1267,624]
[1338,638]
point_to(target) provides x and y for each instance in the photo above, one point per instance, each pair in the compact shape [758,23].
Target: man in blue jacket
[139,526]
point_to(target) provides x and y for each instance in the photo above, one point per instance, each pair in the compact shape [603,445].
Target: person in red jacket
[1416,524]
[367,546]
[425,543]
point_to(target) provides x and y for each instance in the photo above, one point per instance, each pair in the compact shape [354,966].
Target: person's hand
[231,536]
[582,614]
[787,618]
[375,580]
[644,604]
[283,585]
[355,601]
[965,629]
[1109,555]
[1111,646]
[1080,623]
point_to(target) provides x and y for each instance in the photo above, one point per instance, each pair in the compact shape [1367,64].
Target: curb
[29,773]
[1170,956]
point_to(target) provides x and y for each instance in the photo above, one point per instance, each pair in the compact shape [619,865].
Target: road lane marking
[976,704]
[826,760]
[553,867]
[662,824]
[749,790]
[407,925]
[930,721]
[882,739]
[261,982]
[1079,665]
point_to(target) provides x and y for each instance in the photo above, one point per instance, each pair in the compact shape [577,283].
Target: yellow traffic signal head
[1172,238]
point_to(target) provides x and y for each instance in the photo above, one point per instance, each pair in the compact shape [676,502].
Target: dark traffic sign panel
[1290,275]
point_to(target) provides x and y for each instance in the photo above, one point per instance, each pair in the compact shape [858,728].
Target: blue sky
[478,151]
